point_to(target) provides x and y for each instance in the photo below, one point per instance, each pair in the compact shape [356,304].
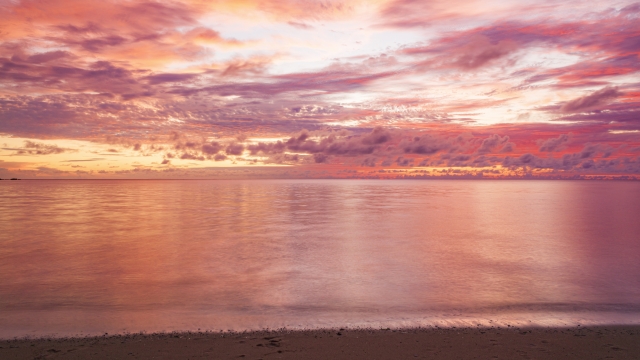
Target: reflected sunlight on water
[113,256]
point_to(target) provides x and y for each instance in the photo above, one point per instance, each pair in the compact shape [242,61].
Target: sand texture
[610,342]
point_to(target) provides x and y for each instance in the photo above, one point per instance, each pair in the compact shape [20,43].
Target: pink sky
[400,88]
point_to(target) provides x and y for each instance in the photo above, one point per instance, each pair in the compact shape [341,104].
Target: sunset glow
[319,89]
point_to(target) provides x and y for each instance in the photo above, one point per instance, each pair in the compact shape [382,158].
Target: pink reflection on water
[114,256]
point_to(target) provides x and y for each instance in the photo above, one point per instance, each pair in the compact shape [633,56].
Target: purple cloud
[591,101]
[554,144]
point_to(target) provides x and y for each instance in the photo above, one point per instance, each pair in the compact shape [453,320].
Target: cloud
[252,66]
[340,145]
[554,144]
[210,36]
[66,116]
[605,42]
[493,142]
[480,51]
[326,81]
[219,157]
[83,160]
[35,148]
[402,161]
[211,148]
[320,158]
[300,25]
[45,57]
[370,162]
[419,13]
[466,51]
[591,101]
[295,10]
[170,78]
[130,74]
[234,149]
[583,161]
[99,76]
[428,144]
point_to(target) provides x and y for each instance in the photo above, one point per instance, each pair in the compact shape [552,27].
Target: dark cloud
[508,147]
[480,52]
[453,150]
[170,78]
[219,157]
[234,149]
[320,145]
[495,142]
[100,77]
[340,145]
[591,101]
[191,156]
[326,82]
[266,148]
[429,144]
[211,148]
[68,116]
[89,28]
[47,56]
[554,144]
[320,158]
[97,44]
[35,148]
[370,162]
[606,40]
[402,161]
[591,157]
[378,136]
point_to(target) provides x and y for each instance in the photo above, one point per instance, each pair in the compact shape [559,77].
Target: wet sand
[611,342]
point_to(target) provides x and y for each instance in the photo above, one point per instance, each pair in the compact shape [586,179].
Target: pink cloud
[591,101]
[134,74]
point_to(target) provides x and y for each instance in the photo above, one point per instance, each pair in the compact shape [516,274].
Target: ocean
[88,257]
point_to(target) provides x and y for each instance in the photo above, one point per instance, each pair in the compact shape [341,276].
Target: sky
[319,89]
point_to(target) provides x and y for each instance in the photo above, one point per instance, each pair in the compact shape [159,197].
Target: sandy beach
[611,342]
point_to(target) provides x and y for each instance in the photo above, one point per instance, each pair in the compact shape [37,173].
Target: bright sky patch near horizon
[366,89]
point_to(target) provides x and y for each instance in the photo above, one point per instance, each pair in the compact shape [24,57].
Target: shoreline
[579,342]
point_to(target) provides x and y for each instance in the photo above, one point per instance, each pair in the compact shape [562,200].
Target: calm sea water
[89,257]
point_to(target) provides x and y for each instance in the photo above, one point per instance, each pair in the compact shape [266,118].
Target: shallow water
[88,257]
